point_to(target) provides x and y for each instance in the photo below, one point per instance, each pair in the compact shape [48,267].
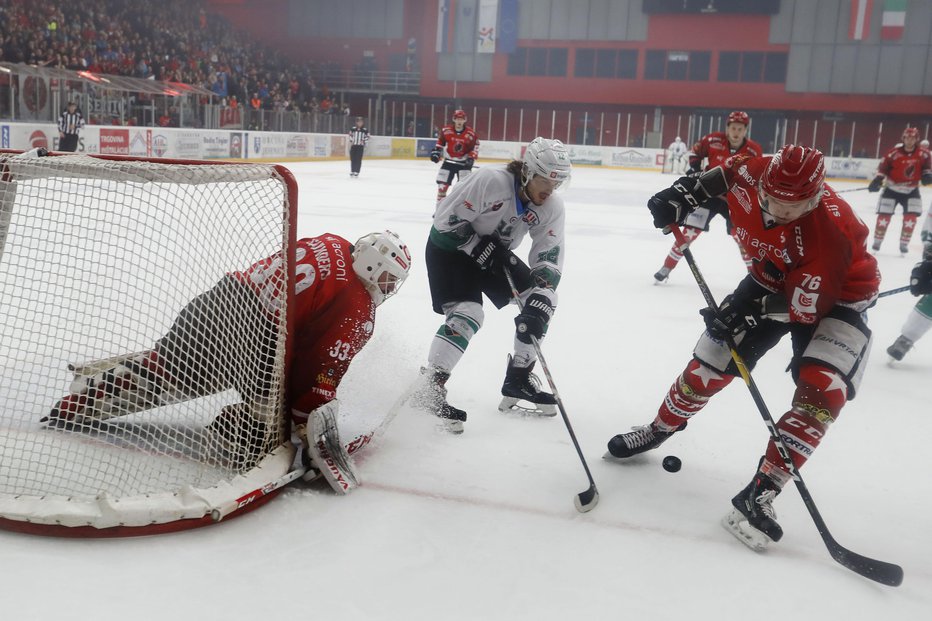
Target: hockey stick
[587,500]
[879,571]
[884,294]
[223,511]
[852,190]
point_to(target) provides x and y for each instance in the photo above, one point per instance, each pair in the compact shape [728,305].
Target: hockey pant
[457,286]
[222,339]
[827,366]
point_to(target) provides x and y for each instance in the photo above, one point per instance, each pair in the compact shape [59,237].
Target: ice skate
[904,248]
[661,275]
[431,396]
[876,246]
[639,440]
[523,386]
[899,348]
[115,387]
[752,520]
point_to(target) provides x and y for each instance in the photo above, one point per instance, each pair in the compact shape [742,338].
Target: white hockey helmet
[382,262]
[678,139]
[549,159]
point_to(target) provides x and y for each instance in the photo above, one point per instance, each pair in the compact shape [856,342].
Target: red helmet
[794,174]
[459,114]
[912,132]
[739,116]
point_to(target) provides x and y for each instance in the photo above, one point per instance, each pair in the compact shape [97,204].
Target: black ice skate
[431,396]
[899,348]
[662,274]
[752,520]
[637,441]
[522,385]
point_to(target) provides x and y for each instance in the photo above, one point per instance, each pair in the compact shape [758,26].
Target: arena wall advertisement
[224,144]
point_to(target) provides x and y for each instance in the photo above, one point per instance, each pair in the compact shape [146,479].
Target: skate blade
[511,405]
[450,426]
[736,524]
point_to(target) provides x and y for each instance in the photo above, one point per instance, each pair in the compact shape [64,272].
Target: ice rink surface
[482,525]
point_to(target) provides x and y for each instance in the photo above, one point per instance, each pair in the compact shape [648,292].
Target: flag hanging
[446,25]
[487,33]
[508,26]
[859,27]
[894,20]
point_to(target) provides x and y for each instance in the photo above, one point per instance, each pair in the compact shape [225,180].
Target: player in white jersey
[469,249]
[677,154]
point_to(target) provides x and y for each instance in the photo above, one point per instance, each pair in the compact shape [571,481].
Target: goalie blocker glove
[534,318]
[673,204]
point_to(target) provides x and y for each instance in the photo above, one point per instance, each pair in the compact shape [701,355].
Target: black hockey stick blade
[878,571]
[587,500]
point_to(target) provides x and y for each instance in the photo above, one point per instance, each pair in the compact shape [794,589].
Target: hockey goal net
[105,430]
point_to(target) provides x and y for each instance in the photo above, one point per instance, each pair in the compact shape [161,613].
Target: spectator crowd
[170,40]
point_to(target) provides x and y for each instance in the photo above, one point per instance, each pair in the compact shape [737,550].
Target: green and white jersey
[486,203]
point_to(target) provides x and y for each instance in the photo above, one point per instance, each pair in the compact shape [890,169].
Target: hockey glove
[436,154]
[534,318]
[874,185]
[488,253]
[468,163]
[680,199]
[737,314]
[920,279]
[927,177]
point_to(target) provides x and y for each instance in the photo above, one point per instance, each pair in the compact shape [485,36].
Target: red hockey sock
[690,233]
[909,225]
[689,394]
[883,221]
[820,395]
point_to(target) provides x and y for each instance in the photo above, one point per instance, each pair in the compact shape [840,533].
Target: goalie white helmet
[547,158]
[382,262]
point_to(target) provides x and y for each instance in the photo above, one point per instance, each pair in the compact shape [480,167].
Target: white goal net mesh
[125,331]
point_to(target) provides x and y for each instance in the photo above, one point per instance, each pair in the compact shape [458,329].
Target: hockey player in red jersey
[714,148]
[903,168]
[458,147]
[811,277]
[337,288]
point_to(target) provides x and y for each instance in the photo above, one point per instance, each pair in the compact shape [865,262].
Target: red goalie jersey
[334,315]
[457,146]
[817,261]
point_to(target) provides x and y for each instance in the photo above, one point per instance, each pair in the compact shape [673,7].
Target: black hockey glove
[534,318]
[737,314]
[680,199]
[468,163]
[488,253]
[920,279]
[436,154]
[874,185]
[927,177]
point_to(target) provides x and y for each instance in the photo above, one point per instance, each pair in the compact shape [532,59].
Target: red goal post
[98,256]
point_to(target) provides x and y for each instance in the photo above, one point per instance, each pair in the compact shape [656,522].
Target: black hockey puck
[672,463]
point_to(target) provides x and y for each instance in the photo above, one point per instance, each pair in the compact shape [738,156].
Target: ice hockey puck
[671,463]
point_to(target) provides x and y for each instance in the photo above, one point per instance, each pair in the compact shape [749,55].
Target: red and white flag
[859,28]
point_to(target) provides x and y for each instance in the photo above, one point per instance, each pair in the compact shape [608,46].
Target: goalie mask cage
[98,255]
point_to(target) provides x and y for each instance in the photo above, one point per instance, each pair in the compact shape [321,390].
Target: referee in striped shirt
[358,136]
[69,123]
